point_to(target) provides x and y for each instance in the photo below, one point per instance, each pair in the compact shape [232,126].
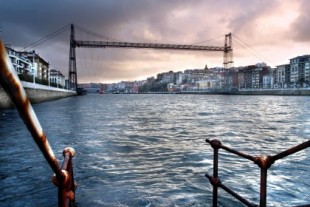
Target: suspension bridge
[226,49]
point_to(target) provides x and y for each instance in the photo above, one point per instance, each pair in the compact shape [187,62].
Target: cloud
[267,26]
[301,26]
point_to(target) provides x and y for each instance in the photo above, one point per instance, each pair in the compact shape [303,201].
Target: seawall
[271,92]
[37,93]
[280,92]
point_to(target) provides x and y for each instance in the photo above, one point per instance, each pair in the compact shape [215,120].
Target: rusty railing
[63,175]
[264,162]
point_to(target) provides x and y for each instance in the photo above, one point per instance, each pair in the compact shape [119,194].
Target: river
[150,150]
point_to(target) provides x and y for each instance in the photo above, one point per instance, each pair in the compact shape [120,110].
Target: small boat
[80,91]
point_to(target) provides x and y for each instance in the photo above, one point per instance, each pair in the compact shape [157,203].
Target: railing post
[215,175]
[264,162]
[66,186]
[263,187]
[215,144]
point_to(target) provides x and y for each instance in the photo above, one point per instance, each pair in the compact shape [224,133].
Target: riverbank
[272,92]
[284,91]
[37,93]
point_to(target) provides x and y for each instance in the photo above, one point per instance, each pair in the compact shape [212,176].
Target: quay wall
[37,93]
[280,92]
[272,92]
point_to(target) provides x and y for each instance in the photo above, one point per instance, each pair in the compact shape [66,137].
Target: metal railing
[63,175]
[264,162]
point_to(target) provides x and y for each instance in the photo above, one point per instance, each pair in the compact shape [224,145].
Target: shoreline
[36,93]
[269,92]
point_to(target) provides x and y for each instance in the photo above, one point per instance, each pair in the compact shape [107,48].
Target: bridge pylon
[72,82]
[228,52]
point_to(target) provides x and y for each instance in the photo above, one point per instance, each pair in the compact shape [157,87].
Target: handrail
[66,189]
[264,162]
[12,85]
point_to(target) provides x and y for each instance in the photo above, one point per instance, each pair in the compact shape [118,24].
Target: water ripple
[149,150]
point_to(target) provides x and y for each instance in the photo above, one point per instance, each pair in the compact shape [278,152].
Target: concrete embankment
[271,92]
[280,92]
[37,93]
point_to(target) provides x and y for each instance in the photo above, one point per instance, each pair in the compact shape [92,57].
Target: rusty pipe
[292,150]
[217,144]
[13,87]
[66,186]
[237,196]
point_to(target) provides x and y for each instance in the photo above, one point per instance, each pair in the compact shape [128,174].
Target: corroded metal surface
[63,176]
[263,161]
[66,186]
[11,84]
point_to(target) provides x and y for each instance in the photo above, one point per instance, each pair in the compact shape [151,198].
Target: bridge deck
[100,44]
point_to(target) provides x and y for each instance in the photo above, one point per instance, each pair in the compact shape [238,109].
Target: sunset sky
[263,31]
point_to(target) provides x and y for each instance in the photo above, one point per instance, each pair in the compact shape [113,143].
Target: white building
[300,70]
[57,78]
[282,75]
[268,81]
[20,62]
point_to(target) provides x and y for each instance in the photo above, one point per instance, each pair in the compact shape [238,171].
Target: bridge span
[227,49]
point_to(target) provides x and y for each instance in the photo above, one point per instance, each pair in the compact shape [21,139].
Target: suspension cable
[95,34]
[251,49]
[221,36]
[52,35]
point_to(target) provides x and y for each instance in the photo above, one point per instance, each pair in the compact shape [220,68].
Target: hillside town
[31,67]
[295,74]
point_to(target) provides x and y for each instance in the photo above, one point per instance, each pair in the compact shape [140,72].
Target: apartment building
[28,63]
[20,62]
[57,78]
[282,76]
[252,76]
[300,70]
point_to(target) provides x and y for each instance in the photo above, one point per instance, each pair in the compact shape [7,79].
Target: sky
[263,31]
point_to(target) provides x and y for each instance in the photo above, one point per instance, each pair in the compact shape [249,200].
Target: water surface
[149,150]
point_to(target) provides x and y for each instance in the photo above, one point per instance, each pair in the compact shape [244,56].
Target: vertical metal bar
[63,201]
[263,187]
[215,175]
[72,183]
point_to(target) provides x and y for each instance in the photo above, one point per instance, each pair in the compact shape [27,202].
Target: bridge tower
[228,52]
[72,83]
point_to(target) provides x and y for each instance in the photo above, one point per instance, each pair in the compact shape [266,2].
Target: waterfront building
[252,76]
[135,88]
[57,78]
[245,76]
[194,75]
[150,80]
[208,84]
[178,78]
[20,62]
[282,76]
[29,63]
[300,71]
[112,87]
[230,78]
[41,66]
[166,77]
[268,81]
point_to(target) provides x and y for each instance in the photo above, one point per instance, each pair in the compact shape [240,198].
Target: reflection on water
[149,150]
